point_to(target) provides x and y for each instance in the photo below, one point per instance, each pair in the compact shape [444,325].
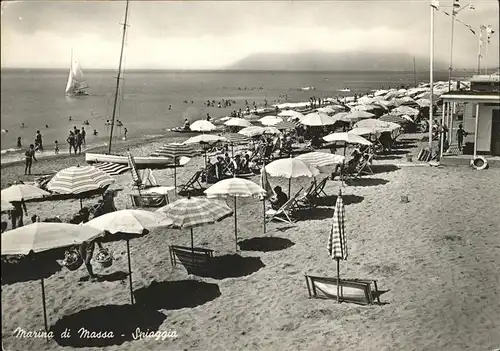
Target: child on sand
[56,147]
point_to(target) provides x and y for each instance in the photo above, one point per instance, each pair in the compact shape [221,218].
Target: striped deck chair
[364,166]
[111,168]
[147,180]
[285,213]
[314,193]
[192,183]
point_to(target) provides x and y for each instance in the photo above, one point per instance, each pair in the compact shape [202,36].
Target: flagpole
[431,78]
[479,51]
[486,58]
[451,47]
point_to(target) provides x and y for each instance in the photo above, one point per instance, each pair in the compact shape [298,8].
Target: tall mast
[118,78]
[414,73]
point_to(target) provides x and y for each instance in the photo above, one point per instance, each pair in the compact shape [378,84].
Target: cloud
[186,35]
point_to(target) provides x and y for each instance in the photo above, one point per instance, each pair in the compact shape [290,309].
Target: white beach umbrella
[380,92]
[362,131]
[235,187]
[19,192]
[131,222]
[321,159]
[369,107]
[256,130]
[202,126]
[358,115]
[405,110]
[346,137]
[377,125]
[6,206]
[317,119]
[238,122]
[423,102]
[41,236]
[341,116]
[291,168]
[270,120]
[205,139]
[291,113]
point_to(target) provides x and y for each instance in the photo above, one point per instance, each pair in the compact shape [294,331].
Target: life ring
[479,163]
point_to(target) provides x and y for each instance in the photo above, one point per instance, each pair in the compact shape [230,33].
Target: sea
[150,102]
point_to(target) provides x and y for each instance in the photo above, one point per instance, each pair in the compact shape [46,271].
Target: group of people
[75,140]
[227,166]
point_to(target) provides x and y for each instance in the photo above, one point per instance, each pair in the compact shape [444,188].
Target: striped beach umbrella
[205,139]
[195,212]
[20,192]
[337,245]
[235,187]
[270,120]
[321,159]
[202,126]
[111,168]
[285,125]
[236,138]
[175,150]
[41,236]
[291,113]
[346,137]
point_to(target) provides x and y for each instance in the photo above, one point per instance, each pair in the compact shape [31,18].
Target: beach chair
[192,183]
[364,166]
[314,193]
[360,291]
[285,213]
[149,200]
[193,259]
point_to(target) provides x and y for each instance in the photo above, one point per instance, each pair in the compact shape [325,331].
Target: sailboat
[76,85]
[141,162]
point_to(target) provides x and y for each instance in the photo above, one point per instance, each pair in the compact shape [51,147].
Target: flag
[264,184]
[435,4]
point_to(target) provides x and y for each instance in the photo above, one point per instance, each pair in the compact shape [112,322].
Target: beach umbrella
[346,137]
[271,130]
[270,120]
[321,159]
[129,222]
[195,212]
[358,115]
[175,150]
[235,139]
[252,131]
[235,187]
[291,168]
[377,125]
[78,180]
[337,245]
[317,119]
[368,107]
[20,192]
[285,125]
[291,113]
[405,110]
[330,109]
[6,206]
[380,92]
[40,236]
[238,122]
[264,184]
[205,139]
[363,131]
[341,116]
[202,126]
[395,118]
[423,102]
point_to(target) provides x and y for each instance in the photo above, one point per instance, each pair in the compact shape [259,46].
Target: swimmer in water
[46,126]
[69,118]
[95,132]
[23,125]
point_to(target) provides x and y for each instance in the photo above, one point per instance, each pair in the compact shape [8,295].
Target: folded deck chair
[192,183]
[284,214]
[193,259]
[358,291]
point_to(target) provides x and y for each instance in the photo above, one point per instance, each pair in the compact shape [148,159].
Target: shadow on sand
[378,169]
[118,322]
[232,266]
[23,269]
[366,182]
[330,200]
[174,295]
[265,244]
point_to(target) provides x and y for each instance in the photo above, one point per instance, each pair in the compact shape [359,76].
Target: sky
[213,35]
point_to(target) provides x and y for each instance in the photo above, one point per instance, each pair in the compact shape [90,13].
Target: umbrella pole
[232,150]
[338,280]
[175,176]
[264,208]
[44,311]
[235,224]
[192,245]
[130,273]
[81,204]
[289,187]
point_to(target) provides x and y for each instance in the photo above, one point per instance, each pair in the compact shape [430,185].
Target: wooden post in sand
[235,224]
[44,311]
[130,273]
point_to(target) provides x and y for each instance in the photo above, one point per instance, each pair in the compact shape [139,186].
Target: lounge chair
[192,183]
[365,163]
[284,214]
[359,291]
[149,200]
[193,259]
[313,194]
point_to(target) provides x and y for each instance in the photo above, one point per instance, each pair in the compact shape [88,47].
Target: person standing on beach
[83,133]
[30,156]
[16,215]
[78,138]
[38,141]
[125,131]
[460,136]
[71,142]
[56,148]
[19,144]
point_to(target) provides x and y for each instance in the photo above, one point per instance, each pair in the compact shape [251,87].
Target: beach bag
[104,258]
[72,259]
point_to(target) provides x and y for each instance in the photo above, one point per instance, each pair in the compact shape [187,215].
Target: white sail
[76,84]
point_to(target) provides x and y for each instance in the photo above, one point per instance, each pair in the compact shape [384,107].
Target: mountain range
[325,61]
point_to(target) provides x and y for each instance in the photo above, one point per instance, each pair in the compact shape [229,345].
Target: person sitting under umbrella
[16,215]
[245,165]
[279,199]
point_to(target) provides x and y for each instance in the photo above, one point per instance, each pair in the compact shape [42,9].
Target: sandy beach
[435,258]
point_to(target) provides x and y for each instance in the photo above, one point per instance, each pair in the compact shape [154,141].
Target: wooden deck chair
[193,259]
[315,192]
[149,200]
[359,291]
[192,183]
[364,166]
[303,200]
[284,214]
